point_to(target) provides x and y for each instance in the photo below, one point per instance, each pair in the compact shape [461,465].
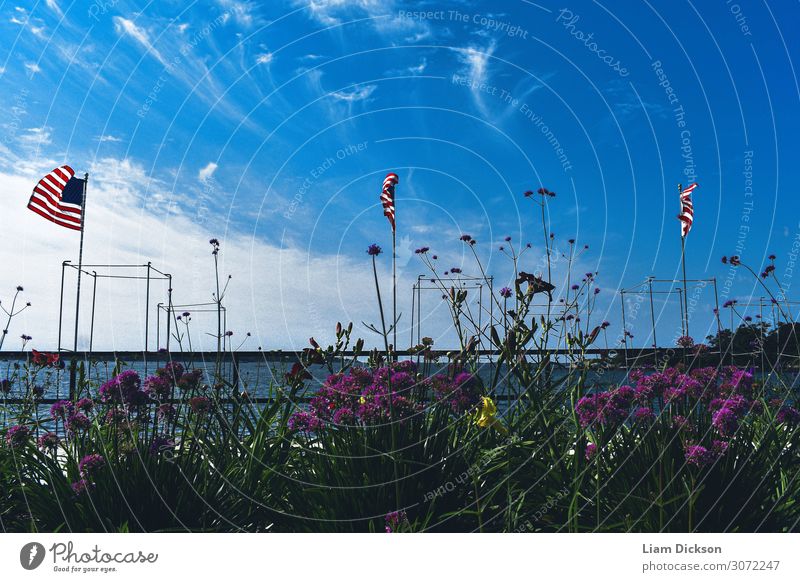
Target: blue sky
[271,126]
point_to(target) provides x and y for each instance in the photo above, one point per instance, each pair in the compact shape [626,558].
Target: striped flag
[687,209]
[387,196]
[58,197]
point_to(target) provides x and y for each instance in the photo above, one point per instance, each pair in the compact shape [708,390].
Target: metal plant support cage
[462,282]
[171,312]
[151,274]
[652,287]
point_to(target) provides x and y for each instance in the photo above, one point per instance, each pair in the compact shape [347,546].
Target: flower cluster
[609,408]
[87,469]
[462,393]
[362,396]
[48,441]
[18,436]
[396,521]
[124,388]
[720,399]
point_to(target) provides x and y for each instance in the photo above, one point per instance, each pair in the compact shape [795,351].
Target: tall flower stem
[390,395]
[380,307]
[219,317]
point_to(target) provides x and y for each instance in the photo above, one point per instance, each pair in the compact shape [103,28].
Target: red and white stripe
[46,199]
[387,196]
[687,209]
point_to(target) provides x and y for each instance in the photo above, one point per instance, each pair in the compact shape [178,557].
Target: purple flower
[157,387]
[575,287]
[161,444]
[123,388]
[505,292]
[462,394]
[200,404]
[78,422]
[305,421]
[788,415]
[190,380]
[61,409]
[455,270]
[698,455]
[374,250]
[725,420]
[465,238]
[507,239]
[115,415]
[17,436]
[644,414]
[719,448]
[48,441]
[172,372]
[85,404]
[395,521]
[591,451]
[81,486]
[90,464]
[422,250]
[343,416]
[605,408]
[682,423]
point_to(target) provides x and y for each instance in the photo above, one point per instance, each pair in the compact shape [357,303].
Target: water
[254,376]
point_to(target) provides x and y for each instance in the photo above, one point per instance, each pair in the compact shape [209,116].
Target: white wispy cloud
[475,66]
[383,14]
[420,68]
[107,138]
[264,58]
[53,5]
[124,26]
[35,136]
[329,12]
[35,26]
[356,94]
[242,12]
[206,172]
[410,70]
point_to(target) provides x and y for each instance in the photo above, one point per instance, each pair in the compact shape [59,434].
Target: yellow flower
[485,415]
[362,400]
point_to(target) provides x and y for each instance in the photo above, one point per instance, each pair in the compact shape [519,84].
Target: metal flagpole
[683,264]
[394,285]
[78,291]
[80,262]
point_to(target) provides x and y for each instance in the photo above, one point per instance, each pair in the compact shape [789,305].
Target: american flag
[387,196]
[687,209]
[58,197]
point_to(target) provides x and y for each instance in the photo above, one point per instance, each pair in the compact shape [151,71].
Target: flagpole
[80,262]
[683,266]
[394,285]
